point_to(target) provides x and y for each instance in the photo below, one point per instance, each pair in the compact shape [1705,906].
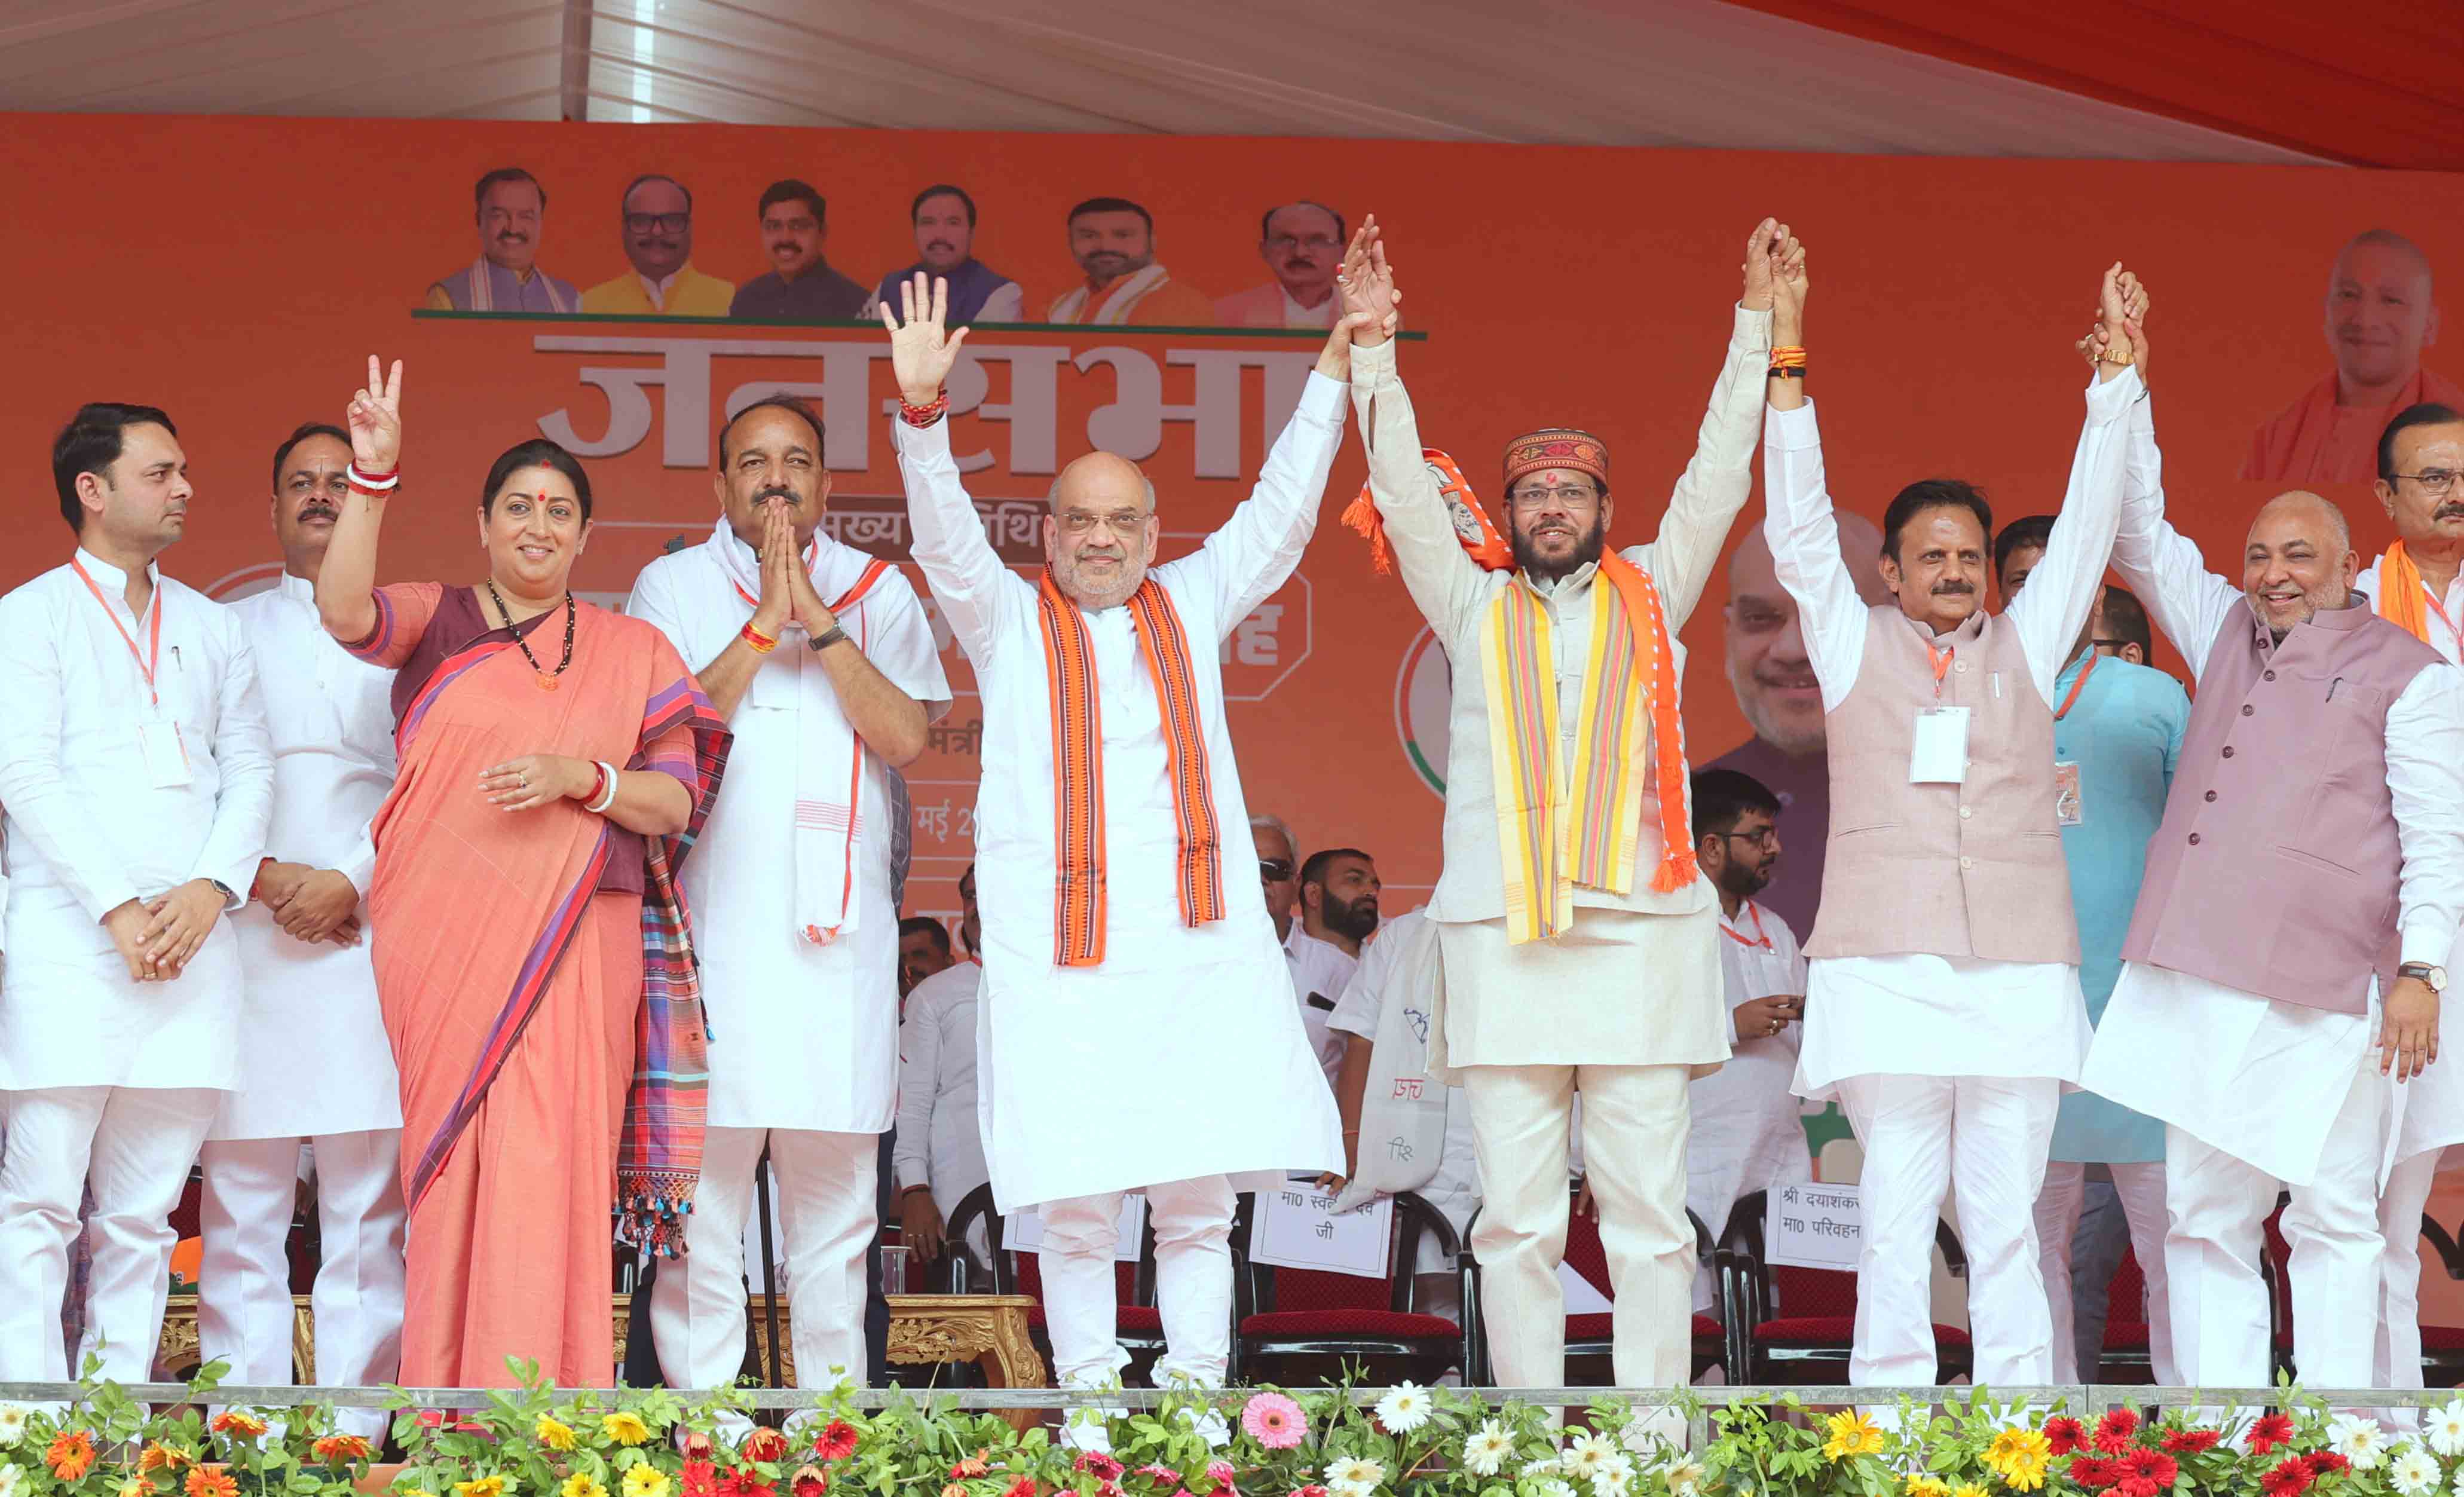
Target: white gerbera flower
[12,1424]
[2413,1471]
[11,1478]
[2444,1427]
[1585,1455]
[1551,1487]
[1613,1476]
[1488,1448]
[2360,1441]
[1551,1465]
[1684,1481]
[1405,1408]
[1354,1475]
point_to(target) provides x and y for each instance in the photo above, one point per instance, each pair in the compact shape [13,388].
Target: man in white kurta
[1173,1059]
[1950,1061]
[1747,1136]
[314,1065]
[822,660]
[2422,452]
[1338,910]
[135,770]
[938,1157]
[1530,1019]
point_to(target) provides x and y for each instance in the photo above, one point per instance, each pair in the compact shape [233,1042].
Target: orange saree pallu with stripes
[1078,905]
[536,976]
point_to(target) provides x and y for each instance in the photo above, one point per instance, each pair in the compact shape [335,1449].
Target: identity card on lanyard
[1938,753]
[2070,806]
[158,737]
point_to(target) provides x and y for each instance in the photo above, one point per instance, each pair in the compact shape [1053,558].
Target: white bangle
[606,797]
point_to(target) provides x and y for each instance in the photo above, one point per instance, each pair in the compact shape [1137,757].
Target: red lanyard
[2085,672]
[1941,659]
[146,663]
[1760,939]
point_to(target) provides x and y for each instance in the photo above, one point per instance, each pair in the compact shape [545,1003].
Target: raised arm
[967,575]
[1798,524]
[346,586]
[1251,554]
[2073,567]
[2156,561]
[1720,476]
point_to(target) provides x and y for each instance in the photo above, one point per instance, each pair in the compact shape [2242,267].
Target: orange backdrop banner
[238,273]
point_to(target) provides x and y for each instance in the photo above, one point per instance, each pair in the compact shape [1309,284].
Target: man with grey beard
[1774,686]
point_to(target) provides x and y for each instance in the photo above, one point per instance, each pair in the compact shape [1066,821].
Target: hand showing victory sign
[376,421]
[921,351]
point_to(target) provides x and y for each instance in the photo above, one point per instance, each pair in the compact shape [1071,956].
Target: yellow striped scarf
[1556,830]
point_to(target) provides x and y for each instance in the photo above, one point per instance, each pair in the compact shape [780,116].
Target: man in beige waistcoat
[1565,715]
[1943,1008]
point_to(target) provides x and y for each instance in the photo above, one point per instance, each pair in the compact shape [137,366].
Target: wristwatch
[2434,977]
[224,890]
[827,637]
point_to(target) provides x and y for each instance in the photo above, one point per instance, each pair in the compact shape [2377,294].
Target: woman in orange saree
[532,955]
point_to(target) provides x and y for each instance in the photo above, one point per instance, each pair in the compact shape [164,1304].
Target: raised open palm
[376,420]
[921,349]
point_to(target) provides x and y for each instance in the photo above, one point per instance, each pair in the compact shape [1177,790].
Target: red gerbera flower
[809,1481]
[836,1443]
[2192,1442]
[2132,1487]
[1024,1487]
[2093,1473]
[2326,1463]
[2063,1434]
[340,1450]
[746,1481]
[696,1445]
[2152,1466]
[2268,1431]
[700,1479]
[1102,1467]
[2113,1432]
[2290,1478]
[766,1444]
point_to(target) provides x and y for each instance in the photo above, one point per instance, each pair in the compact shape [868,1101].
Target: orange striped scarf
[2403,600]
[1078,769]
[1558,829]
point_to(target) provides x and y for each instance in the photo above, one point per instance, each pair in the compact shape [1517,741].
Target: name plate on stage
[1298,1228]
[1023,1231]
[1815,1226]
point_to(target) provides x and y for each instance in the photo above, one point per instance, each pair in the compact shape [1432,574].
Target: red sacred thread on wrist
[915,415]
[762,644]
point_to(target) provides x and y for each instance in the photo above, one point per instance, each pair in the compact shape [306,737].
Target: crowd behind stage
[514,916]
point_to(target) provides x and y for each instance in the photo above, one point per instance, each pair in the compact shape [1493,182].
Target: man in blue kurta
[2117,736]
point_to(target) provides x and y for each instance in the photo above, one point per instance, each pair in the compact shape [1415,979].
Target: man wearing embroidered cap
[1128,970]
[1568,870]
[1942,1005]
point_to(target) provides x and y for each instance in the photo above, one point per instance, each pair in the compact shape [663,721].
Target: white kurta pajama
[1625,1004]
[2433,1118]
[803,1046]
[2280,1093]
[101,1074]
[1747,1135]
[1179,1060]
[1951,1069]
[315,1063]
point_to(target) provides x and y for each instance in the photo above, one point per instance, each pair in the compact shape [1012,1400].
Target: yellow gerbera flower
[626,1429]
[136,1486]
[552,1433]
[1967,1489]
[582,1483]
[1924,1484]
[2025,1474]
[646,1481]
[483,1487]
[1851,1434]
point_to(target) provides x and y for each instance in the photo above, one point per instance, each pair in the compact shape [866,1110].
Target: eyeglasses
[1572,495]
[1286,243]
[1120,522]
[2436,483]
[1273,871]
[662,223]
[1768,837]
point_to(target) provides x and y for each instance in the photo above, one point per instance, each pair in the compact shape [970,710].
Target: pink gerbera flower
[1273,1420]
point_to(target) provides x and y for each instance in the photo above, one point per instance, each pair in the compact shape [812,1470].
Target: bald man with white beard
[1139,1031]
[2382,312]
[1774,685]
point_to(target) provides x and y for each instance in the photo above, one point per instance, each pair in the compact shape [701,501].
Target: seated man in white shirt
[135,768]
[1338,910]
[939,1153]
[1279,871]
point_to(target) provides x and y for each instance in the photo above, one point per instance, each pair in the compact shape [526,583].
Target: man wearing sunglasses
[656,222]
[2415,585]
